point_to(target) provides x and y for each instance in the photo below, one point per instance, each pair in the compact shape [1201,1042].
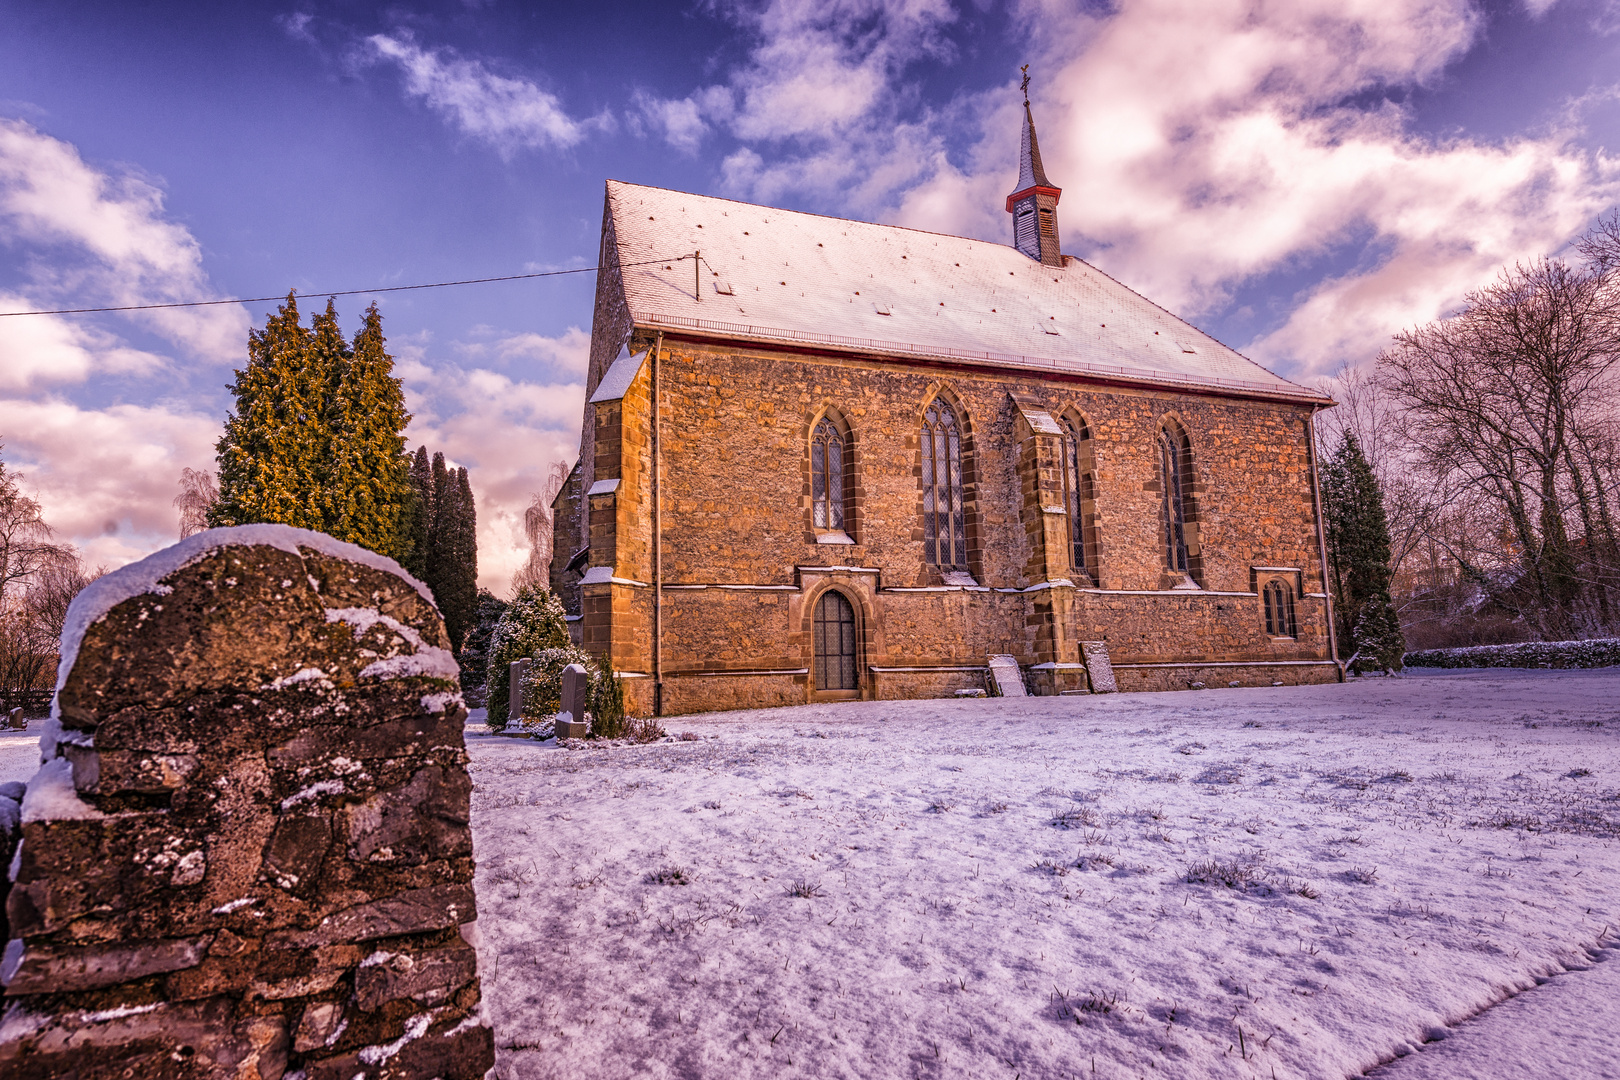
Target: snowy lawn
[1297,881]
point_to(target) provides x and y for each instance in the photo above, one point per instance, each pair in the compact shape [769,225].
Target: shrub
[1602,652]
[534,622]
[542,684]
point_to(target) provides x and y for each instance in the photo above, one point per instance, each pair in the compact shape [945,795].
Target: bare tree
[197,495]
[1507,411]
[1368,411]
[25,538]
[538,521]
[31,628]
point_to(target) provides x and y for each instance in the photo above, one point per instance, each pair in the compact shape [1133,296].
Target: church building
[825,460]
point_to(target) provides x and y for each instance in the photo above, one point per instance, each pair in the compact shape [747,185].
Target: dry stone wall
[247,853]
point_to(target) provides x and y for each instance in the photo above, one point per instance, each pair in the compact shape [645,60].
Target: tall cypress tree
[270,454]
[369,486]
[435,572]
[421,509]
[314,440]
[1358,558]
[459,599]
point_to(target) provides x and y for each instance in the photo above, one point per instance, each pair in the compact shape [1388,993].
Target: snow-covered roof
[782,276]
[616,381]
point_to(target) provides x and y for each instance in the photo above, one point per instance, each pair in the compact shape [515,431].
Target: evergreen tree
[533,622]
[436,563]
[459,601]
[1358,559]
[421,510]
[270,454]
[475,647]
[314,440]
[369,487]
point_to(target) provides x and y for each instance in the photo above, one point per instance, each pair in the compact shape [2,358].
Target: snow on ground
[1566,1029]
[1000,888]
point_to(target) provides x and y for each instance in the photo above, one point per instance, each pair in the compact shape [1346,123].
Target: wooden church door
[835,643]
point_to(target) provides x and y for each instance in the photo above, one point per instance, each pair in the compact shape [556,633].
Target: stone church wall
[736,424]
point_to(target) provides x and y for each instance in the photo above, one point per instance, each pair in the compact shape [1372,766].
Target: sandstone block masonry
[743,567]
[246,853]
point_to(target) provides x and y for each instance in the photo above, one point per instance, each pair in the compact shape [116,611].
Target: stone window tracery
[1079,499]
[944,516]
[1279,603]
[1174,465]
[827,476]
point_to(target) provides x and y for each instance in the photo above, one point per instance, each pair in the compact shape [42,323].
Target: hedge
[1599,652]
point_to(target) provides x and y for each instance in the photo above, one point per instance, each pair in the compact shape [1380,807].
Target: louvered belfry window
[1280,610]
[827,475]
[1173,512]
[944,519]
[1078,498]
[835,643]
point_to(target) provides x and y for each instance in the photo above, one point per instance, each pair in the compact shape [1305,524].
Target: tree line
[1492,438]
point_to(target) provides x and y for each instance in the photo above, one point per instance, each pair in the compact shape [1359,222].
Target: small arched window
[1280,610]
[1172,505]
[1079,497]
[827,476]
[944,518]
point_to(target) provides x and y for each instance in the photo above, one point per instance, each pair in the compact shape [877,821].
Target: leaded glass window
[835,643]
[1280,610]
[827,475]
[944,518]
[1078,497]
[1173,511]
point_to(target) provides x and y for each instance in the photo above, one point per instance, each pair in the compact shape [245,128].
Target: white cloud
[1202,144]
[680,122]
[107,477]
[506,430]
[97,240]
[507,113]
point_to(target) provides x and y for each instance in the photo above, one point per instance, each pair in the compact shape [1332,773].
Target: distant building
[884,455]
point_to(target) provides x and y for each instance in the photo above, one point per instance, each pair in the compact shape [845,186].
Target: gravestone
[1098,667]
[15,720]
[247,852]
[514,699]
[1009,680]
[571,722]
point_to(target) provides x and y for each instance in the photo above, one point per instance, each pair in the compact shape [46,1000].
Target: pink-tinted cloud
[107,477]
[506,426]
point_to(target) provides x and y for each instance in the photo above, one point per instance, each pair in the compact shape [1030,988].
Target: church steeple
[1034,205]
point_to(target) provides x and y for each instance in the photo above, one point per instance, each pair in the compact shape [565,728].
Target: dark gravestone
[571,723]
[514,701]
[247,852]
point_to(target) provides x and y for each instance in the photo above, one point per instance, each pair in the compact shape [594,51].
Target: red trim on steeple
[1038,189]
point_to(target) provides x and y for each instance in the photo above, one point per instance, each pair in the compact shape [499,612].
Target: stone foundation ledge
[1218,675]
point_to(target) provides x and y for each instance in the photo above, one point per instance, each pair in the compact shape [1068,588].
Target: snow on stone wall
[247,852]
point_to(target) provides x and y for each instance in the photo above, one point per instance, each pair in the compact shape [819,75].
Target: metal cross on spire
[1024,86]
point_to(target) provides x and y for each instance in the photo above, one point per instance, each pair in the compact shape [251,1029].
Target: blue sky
[1300,179]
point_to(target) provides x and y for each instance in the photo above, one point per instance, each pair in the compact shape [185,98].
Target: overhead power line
[334,292]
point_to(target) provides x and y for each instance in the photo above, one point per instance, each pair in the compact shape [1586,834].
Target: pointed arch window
[944,518]
[1280,610]
[1173,462]
[1079,499]
[827,473]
